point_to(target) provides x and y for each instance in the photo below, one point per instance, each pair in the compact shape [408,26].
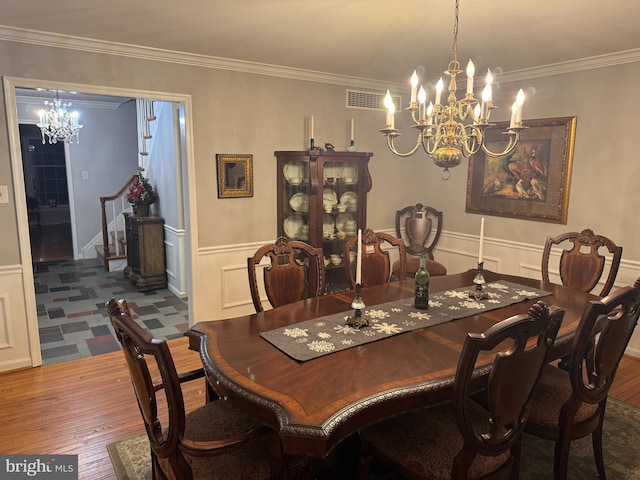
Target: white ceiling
[373,39]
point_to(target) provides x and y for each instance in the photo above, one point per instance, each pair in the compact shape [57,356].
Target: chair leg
[561,457]
[596,440]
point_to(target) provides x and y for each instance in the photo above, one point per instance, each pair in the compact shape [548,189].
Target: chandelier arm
[392,147]
[514,136]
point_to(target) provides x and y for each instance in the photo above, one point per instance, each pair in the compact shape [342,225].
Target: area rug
[130,457]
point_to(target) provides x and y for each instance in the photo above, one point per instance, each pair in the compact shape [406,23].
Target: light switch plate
[4,194]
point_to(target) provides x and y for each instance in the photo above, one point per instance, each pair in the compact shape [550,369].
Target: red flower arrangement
[140,191]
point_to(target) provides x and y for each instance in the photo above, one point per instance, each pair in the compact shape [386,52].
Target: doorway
[47,192]
[186,194]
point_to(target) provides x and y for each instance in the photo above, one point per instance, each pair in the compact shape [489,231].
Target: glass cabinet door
[295,212]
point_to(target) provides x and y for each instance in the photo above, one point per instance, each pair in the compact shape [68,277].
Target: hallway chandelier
[449,132]
[57,123]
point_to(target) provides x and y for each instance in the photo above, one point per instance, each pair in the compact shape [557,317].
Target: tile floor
[73,320]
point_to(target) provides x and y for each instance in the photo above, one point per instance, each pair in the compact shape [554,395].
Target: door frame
[188,187]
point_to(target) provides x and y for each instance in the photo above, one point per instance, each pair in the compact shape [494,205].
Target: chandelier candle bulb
[422,101]
[471,70]
[391,109]
[414,86]
[311,127]
[519,103]
[489,85]
[439,87]
[429,112]
[352,130]
[359,259]
[514,109]
[486,99]
[481,247]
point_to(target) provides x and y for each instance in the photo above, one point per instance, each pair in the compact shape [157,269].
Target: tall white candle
[311,127]
[352,129]
[359,259]
[480,251]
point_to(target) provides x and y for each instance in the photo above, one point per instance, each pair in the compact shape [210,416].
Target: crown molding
[36,37]
[587,63]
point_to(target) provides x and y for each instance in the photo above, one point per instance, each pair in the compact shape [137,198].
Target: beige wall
[237,112]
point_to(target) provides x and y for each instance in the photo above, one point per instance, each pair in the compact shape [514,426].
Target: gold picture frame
[532,182]
[235,175]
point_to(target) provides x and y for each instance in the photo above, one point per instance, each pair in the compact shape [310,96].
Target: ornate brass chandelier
[57,123]
[449,132]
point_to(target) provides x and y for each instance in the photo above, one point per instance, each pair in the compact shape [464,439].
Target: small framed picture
[235,175]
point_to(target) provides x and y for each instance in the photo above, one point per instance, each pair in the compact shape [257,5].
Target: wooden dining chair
[582,262]
[571,405]
[214,441]
[466,439]
[422,227]
[295,271]
[376,262]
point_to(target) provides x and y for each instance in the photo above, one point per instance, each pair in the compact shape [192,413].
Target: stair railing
[111,226]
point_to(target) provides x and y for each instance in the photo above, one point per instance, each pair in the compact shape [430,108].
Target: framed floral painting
[532,181]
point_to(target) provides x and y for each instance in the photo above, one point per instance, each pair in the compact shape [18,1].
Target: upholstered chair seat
[406,439]
[434,268]
[552,391]
[219,421]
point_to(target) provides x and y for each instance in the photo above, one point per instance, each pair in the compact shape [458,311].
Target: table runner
[321,336]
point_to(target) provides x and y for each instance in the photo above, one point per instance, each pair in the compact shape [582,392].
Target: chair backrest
[376,262]
[422,226]
[138,345]
[600,341]
[295,271]
[582,266]
[516,368]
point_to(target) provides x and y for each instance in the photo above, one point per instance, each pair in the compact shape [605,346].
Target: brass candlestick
[479,293]
[357,320]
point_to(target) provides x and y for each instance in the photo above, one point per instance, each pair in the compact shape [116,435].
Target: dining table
[316,404]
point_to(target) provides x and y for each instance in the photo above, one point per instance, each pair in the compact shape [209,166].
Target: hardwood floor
[79,407]
[51,242]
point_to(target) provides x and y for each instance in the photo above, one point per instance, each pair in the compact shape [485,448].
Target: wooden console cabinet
[145,252]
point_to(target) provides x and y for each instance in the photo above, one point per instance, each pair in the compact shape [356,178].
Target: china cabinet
[322,200]
[145,252]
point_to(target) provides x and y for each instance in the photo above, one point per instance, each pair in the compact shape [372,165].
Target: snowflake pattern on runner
[321,346]
[324,335]
[387,328]
[295,332]
[498,286]
[378,314]
[420,315]
[456,294]
[345,329]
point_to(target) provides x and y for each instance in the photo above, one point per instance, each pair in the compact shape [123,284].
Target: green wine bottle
[422,285]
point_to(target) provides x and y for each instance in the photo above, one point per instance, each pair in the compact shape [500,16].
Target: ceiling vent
[370,100]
